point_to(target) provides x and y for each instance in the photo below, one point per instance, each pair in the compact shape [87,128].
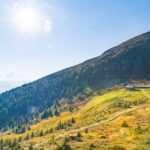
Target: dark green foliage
[65,145]
[69,124]
[61,126]
[31,147]
[51,130]
[47,113]
[79,135]
[9,145]
[125,124]
[27,137]
[56,112]
[73,120]
[32,135]
[41,133]
[92,146]
[20,139]
[86,130]
[52,141]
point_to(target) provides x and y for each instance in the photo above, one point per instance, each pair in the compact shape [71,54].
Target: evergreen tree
[23,129]
[32,135]
[53,139]
[92,146]
[86,130]
[27,137]
[31,147]
[73,120]
[65,145]
[51,130]
[41,133]
[20,139]
[79,135]
[14,143]
[56,112]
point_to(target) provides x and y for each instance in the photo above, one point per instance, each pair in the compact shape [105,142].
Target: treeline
[22,125]
[14,144]
[26,103]
[12,119]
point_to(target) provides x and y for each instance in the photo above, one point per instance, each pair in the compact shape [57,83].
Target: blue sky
[79,30]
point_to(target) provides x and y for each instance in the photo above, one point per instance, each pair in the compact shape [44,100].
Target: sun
[29,19]
[26,19]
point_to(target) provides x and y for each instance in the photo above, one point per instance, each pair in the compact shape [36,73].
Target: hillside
[124,63]
[129,130]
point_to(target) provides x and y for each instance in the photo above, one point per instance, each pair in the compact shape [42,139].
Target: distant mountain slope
[124,63]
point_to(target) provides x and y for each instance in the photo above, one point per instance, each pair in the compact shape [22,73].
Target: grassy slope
[104,136]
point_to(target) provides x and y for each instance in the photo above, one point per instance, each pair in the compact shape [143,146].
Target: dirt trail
[107,120]
[95,124]
[101,122]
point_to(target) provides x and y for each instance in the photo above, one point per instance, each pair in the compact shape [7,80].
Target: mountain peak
[139,38]
[138,41]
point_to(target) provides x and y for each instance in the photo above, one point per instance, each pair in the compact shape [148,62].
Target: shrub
[31,147]
[125,124]
[86,130]
[79,135]
[103,137]
[119,148]
[92,146]
[147,141]
[73,120]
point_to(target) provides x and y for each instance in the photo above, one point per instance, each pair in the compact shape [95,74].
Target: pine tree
[53,139]
[79,135]
[14,143]
[31,147]
[73,120]
[20,139]
[56,112]
[86,130]
[92,146]
[51,130]
[41,133]
[32,135]
[65,145]
[125,124]
[27,137]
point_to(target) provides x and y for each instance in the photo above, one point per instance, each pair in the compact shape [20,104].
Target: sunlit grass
[97,109]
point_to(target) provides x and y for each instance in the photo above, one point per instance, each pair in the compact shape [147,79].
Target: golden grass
[99,108]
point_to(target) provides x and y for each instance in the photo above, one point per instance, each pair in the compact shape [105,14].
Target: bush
[86,130]
[65,145]
[147,141]
[73,120]
[31,147]
[125,124]
[79,135]
[103,137]
[119,148]
[92,146]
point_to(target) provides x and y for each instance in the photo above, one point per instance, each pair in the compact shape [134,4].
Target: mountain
[124,63]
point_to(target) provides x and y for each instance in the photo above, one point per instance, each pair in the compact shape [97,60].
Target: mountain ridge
[124,63]
[86,61]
